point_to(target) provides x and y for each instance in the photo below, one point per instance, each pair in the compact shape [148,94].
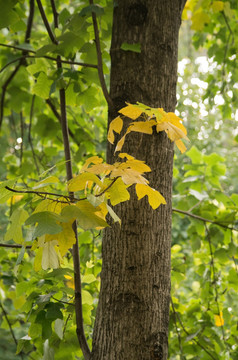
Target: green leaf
[59,325]
[87,298]
[97,9]
[195,155]
[50,258]
[84,212]
[53,311]
[42,86]
[4,193]
[131,47]
[46,223]
[14,231]
[7,15]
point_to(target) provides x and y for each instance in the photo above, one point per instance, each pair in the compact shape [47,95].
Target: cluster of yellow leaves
[153,117]
[200,12]
[97,185]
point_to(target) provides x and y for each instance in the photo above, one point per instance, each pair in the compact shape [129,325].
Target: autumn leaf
[144,127]
[131,111]
[14,231]
[91,160]
[154,197]
[83,180]
[115,125]
[117,193]
[219,321]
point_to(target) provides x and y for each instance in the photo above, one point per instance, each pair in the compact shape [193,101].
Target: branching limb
[69,62]
[99,59]
[10,326]
[203,219]
[188,334]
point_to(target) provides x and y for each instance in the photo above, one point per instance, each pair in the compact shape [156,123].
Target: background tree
[204,246]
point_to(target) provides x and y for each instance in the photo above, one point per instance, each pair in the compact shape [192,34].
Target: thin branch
[99,59]
[43,56]
[203,219]
[10,327]
[13,246]
[9,324]
[29,135]
[214,280]
[70,198]
[177,331]
[194,340]
[46,23]
[57,115]
[22,136]
[4,89]
[12,62]
[10,78]
[75,251]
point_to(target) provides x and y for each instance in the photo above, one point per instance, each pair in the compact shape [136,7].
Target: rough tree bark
[133,311]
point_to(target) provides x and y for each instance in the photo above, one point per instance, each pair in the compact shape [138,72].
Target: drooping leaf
[154,197]
[82,180]
[131,111]
[115,125]
[14,231]
[50,258]
[85,215]
[46,223]
[117,192]
[131,47]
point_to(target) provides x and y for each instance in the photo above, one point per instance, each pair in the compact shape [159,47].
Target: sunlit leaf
[46,223]
[83,180]
[131,111]
[115,125]
[50,258]
[14,231]
[154,197]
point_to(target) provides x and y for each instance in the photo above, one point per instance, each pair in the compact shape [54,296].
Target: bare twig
[57,115]
[10,326]
[203,219]
[99,59]
[13,246]
[69,62]
[22,136]
[46,23]
[70,198]
[29,135]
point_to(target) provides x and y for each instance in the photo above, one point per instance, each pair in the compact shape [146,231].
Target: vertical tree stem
[65,133]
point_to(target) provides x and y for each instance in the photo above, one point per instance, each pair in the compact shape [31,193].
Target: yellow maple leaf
[121,142]
[154,197]
[199,19]
[83,180]
[143,126]
[219,321]
[91,160]
[134,164]
[181,146]
[66,239]
[129,176]
[217,6]
[115,125]
[117,193]
[131,111]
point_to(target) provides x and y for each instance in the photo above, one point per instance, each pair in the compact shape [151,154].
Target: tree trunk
[133,312]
